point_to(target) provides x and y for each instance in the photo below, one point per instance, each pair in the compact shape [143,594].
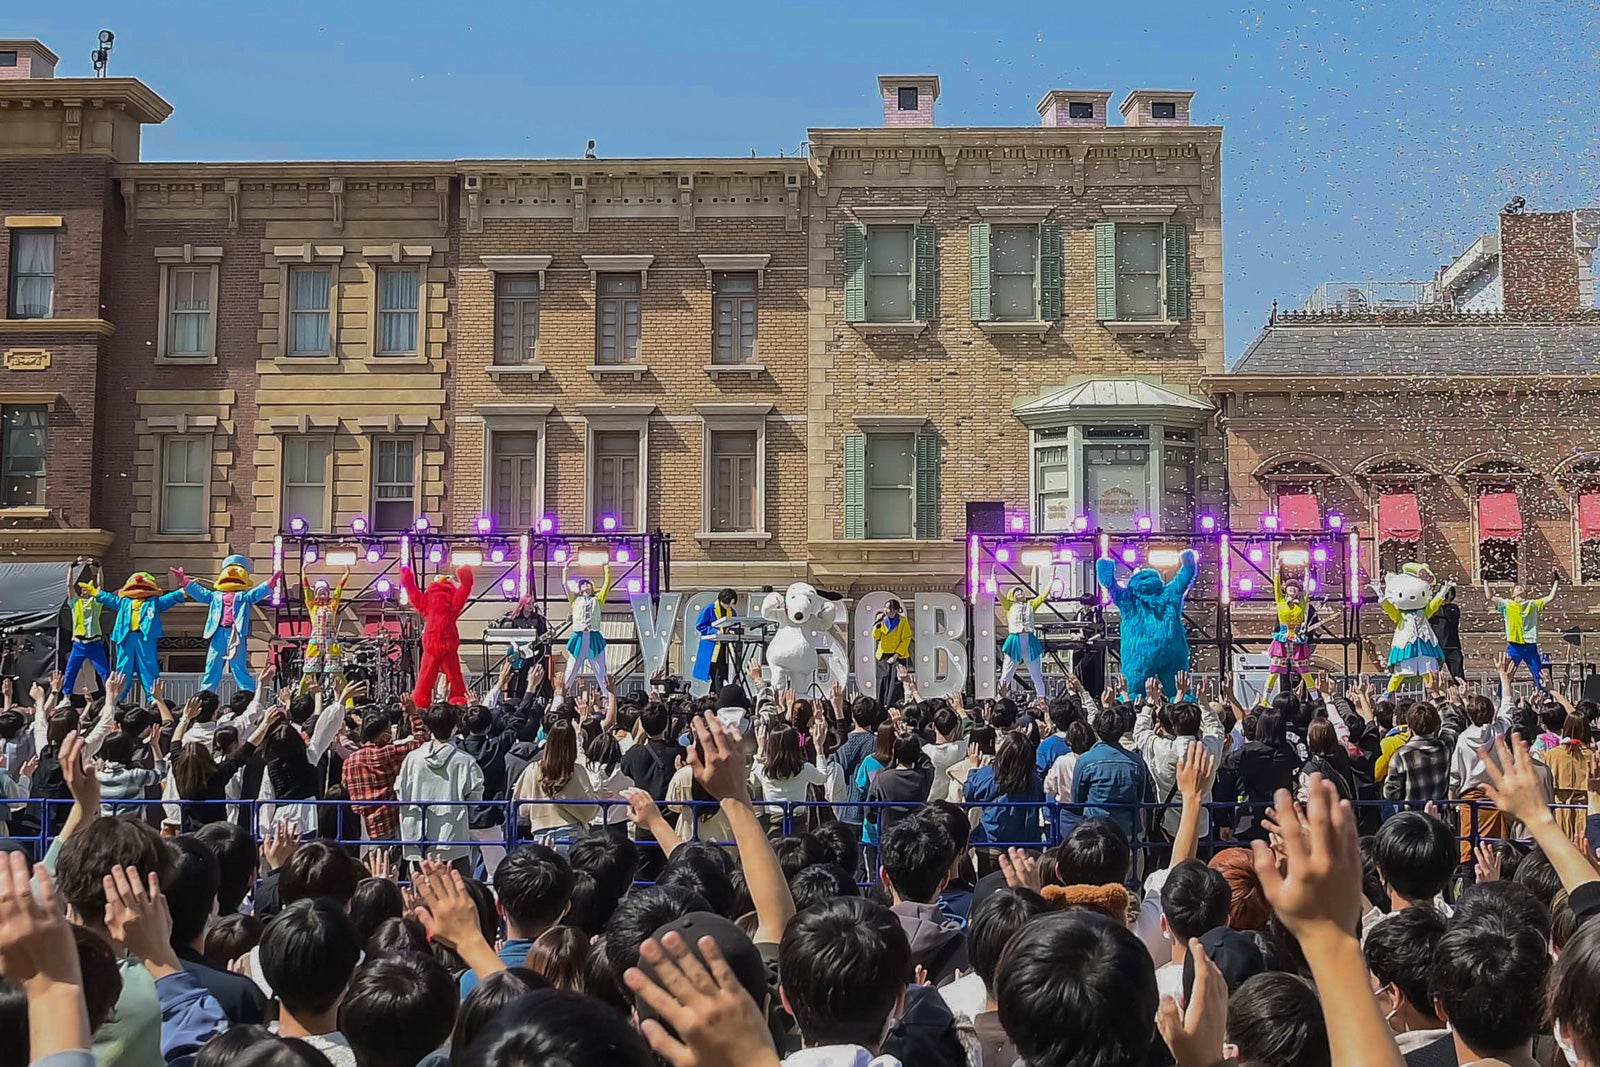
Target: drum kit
[379,662]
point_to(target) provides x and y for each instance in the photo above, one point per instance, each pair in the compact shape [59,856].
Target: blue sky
[1362,140]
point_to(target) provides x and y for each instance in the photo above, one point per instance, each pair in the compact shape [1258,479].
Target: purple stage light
[1081,523]
[623,555]
[1247,585]
[1320,554]
[436,554]
[310,554]
[1335,521]
[297,525]
[608,523]
[635,585]
[358,525]
[1019,524]
[1269,522]
[1208,523]
[508,586]
[1130,556]
[497,554]
[547,524]
[383,587]
[484,524]
[1145,523]
[1256,555]
[1002,555]
[422,524]
[374,553]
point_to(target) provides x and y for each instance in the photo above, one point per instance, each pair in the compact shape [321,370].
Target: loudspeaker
[1591,687]
[986,517]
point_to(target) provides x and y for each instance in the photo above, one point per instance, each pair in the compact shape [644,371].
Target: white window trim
[187,256]
[1016,213]
[1075,442]
[639,264]
[890,214]
[330,466]
[418,462]
[734,417]
[515,418]
[518,265]
[200,429]
[735,264]
[378,258]
[882,217]
[625,417]
[287,257]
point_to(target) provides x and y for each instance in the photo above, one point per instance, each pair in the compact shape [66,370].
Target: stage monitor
[986,517]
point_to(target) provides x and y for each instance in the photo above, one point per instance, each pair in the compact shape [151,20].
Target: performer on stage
[88,640]
[1291,641]
[1522,627]
[324,657]
[892,632]
[1409,601]
[139,605]
[587,646]
[228,619]
[1153,642]
[1022,647]
[440,605]
[525,654]
[713,659]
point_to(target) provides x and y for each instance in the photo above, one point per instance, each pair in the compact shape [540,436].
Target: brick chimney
[1156,107]
[1074,107]
[1540,263]
[26,58]
[908,98]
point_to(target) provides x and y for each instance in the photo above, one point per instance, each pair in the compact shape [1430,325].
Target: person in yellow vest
[1522,627]
[88,639]
[892,632]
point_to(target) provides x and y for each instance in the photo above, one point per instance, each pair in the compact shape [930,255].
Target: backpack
[1319,765]
[50,784]
[928,1034]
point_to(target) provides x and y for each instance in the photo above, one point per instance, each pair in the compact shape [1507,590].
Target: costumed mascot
[227,629]
[1154,643]
[1409,600]
[805,621]
[139,605]
[439,605]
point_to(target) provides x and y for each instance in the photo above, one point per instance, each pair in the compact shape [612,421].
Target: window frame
[374,483]
[524,356]
[330,350]
[621,300]
[728,418]
[188,258]
[868,489]
[868,284]
[42,478]
[735,357]
[593,509]
[284,484]
[1153,437]
[1160,312]
[165,485]
[380,275]
[1036,310]
[491,503]
[14,277]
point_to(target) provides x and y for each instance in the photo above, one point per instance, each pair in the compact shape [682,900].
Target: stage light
[1311,584]
[497,554]
[358,525]
[559,555]
[1335,521]
[508,586]
[1037,557]
[1208,523]
[277,568]
[340,557]
[1130,555]
[1353,567]
[466,557]
[1145,523]
[593,557]
[1161,558]
[484,524]
[297,525]
[1002,555]
[523,559]
[1019,524]
[374,553]
[1081,523]
[1256,555]
[990,586]
[623,555]
[383,587]
[608,523]
[547,524]
[1320,553]
[1294,557]
[436,555]
[1247,585]
[422,524]
[974,543]
[310,554]
[1269,522]
[635,585]
[1066,555]
[1224,568]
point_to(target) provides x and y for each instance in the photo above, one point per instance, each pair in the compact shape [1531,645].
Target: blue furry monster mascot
[1154,643]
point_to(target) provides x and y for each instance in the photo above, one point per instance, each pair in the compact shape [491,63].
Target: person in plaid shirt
[370,772]
[1420,770]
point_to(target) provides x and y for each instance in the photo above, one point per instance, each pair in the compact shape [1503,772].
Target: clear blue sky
[1362,140]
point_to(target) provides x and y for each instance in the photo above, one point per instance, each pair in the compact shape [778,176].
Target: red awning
[1299,512]
[1499,517]
[1399,518]
[1589,517]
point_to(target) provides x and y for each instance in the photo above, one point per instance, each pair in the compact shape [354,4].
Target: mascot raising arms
[1154,643]
[136,634]
[439,605]
[227,629]
[805,621]
[1409,600]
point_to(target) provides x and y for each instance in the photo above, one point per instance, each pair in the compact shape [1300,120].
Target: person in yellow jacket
[1522,627]
[892,632]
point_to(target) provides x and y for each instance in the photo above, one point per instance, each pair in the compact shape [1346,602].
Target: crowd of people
[1097,880]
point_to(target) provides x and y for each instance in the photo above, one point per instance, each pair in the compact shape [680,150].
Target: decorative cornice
[99,326]
[727,263]
[111,94]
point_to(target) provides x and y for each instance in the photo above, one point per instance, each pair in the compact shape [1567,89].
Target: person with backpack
[1329,759]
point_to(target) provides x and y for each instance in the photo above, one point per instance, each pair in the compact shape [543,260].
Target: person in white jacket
[438,771]
[1182,724]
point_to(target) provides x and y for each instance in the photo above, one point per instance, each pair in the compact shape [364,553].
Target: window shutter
[1177,241]
[1105,270]
[855,273]
[927,273]
[1052,296]
[978,243]
[855,486]
[927,486]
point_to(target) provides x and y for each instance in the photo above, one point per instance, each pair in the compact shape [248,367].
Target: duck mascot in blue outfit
[1154,643]
[227,630]
[136,633]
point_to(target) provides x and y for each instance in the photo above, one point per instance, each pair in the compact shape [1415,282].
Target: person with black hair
[438,771]
[370,771]
[254,1046]
[552,1028]
[1573,1007]
[191,891]
[1416,857]
[610,859]
[1489,984]
[842,973]
[904,784]
[1512,900]
[1012,792]
[638,915]
[1163,739]
[947,749]
[821,882]
[994,922]
[238,859]
[916,855]
[865,718]
[101,983]
[397,1010]
[202,783]
[1268,762]
[479,1010]
[375,901]
[1109,780]
[392,936]
[308,955]
[697,872]
[231,938]
[1275,1020]
[1400,955]
[1420,770]
[1194,901]
[533,886]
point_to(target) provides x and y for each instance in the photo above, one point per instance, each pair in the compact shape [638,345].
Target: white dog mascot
[805,621]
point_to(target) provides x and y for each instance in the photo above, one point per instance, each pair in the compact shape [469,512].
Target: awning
[1299,512]
[1499,517]
[1399,518]
[1589,517]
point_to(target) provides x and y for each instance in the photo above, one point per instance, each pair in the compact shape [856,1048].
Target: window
[398,292]
[394,488]
[517,315]
[1392,555]
[1080,109]
[185,463]
[22,456]
[8,59]
[1053,481]
[1163,109]
[734,455]
[735,318]
[907,98]
[1139,271]
[1588,561]
[305,480]
[1115,475]
[33,274]
[189,311]
[617,319]
[1014,273]
[891,485]
[616,478]
[310,293]
[1178,468]
[889,277]
[515,479]
[1497,561]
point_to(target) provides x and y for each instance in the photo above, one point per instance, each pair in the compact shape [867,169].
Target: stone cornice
[630,168]
[1233,384]
[115,94]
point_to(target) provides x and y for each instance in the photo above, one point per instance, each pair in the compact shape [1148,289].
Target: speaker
[986,517]
[1591,687]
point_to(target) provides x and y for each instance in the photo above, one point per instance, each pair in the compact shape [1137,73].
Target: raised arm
[463,590]
[1039,601]
[1555,584]
[1187,569]
[408,582]
[337,598]
[329,720]
[605,586]
[1438,601]
[1105,572]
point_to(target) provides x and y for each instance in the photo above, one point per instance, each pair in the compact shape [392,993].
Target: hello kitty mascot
[805,621]
[1409,600]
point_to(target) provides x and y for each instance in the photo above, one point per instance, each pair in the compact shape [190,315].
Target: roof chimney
[1074,107]
[908,98]
[1541,262]
[1156,107]
[26,58]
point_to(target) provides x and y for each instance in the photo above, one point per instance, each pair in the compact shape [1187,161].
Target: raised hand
[642,809]
[1514,785]
[1487,867]
[35,940]
[1021,869]
[710,1019]
[717,760]
[1195,767]
[280,843]
[448,911]
[78,770]
[1319,889]
[137,915]
[1195,1032]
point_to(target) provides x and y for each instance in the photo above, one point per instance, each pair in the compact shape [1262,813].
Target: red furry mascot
[440,605]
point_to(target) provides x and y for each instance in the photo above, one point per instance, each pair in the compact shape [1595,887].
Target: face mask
[1567,1048]
[1392,1011]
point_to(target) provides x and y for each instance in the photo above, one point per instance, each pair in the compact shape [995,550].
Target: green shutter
[978,242]
[1052,297]
[927,486]
[1105,270]
[927,273]
[855,273]
[1177,241]
[855,486]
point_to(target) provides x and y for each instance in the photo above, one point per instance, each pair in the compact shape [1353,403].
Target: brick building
[1452,418]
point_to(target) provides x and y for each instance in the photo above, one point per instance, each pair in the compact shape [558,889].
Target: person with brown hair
[1570,763]
[558,776]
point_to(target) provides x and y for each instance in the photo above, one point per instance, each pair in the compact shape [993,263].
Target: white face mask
[1389,1018]
[1567,1048]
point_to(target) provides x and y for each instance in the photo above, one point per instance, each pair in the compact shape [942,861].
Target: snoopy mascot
[805,621]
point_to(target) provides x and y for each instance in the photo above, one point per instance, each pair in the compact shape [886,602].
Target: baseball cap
[1235,954]
[743,958]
